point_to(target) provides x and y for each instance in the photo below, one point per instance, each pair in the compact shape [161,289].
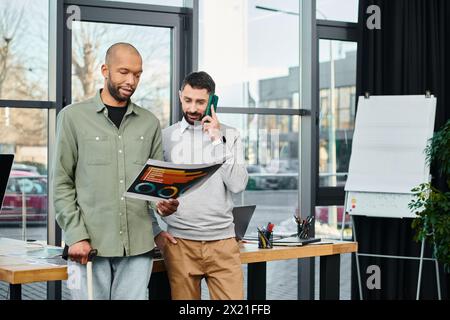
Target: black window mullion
[330,196]
[338,31]
[27,104]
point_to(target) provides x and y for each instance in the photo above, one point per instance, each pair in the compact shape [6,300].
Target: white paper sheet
[390,136]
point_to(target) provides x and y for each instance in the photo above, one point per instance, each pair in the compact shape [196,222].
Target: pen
[268,232]
[263,238]
[263,233]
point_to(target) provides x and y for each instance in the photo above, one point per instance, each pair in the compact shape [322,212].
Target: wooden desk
[257,264]
[18,270]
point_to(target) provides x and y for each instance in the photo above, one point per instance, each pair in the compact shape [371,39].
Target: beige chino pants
[188,261]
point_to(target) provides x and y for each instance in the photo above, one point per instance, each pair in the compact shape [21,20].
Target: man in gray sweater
[200,241]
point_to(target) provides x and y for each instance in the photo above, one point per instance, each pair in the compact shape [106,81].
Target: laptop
[242,216]
[6,161]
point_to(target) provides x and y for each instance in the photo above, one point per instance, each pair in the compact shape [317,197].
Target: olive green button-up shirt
[94,163]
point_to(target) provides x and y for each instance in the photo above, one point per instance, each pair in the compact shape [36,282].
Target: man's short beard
[114,92]
[188,120]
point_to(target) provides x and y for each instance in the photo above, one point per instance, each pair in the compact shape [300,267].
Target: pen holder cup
[265,240]
[303,231]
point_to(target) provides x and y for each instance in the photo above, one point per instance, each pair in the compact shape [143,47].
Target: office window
[337,110]
[345,283]
[23,132]
[251,49]
[271,154]
[328,223]
[337,10]
[24,50]
[90,41]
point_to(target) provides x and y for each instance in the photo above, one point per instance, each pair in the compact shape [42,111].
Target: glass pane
[89,44]
[271,154]
[337,10]
[345,277]
[23,132]
[24,72]
[337,110]
[253,65]
[171,3]
[329,223]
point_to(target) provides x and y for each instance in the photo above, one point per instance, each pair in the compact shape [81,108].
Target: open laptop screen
[242,216]
[6,161]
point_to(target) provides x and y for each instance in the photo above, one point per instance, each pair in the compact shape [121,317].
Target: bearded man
[101,145]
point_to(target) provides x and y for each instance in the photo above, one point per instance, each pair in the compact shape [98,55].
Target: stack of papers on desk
[32,252]
[294,241]
[45,253]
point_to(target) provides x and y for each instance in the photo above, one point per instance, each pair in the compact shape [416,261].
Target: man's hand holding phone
[211,125]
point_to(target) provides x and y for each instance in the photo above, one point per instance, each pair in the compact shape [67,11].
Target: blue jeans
[118,278]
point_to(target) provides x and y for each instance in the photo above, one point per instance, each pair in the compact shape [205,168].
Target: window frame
[338,31]
[50,106]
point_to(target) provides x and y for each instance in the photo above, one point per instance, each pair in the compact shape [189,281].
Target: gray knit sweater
[205,213]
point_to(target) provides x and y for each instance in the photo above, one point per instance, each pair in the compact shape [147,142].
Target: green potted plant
[432,205]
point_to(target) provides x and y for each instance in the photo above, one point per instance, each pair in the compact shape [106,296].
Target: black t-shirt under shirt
[116,114]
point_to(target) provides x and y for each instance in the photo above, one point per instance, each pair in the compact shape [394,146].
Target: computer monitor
[6,161]
[242,216]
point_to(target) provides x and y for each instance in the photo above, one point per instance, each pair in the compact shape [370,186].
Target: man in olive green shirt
[101,145]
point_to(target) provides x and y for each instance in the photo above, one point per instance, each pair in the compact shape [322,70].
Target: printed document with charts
[159,180]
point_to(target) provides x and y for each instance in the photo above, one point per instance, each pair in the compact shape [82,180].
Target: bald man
[101,145]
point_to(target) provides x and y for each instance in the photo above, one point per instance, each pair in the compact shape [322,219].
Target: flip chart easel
[388,161]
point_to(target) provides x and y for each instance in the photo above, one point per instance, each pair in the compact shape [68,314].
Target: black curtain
[406,57]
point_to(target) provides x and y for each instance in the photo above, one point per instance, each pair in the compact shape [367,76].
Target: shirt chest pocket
[139,149]
[98,150]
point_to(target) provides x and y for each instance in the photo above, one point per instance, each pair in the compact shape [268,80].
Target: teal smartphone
[212,102]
